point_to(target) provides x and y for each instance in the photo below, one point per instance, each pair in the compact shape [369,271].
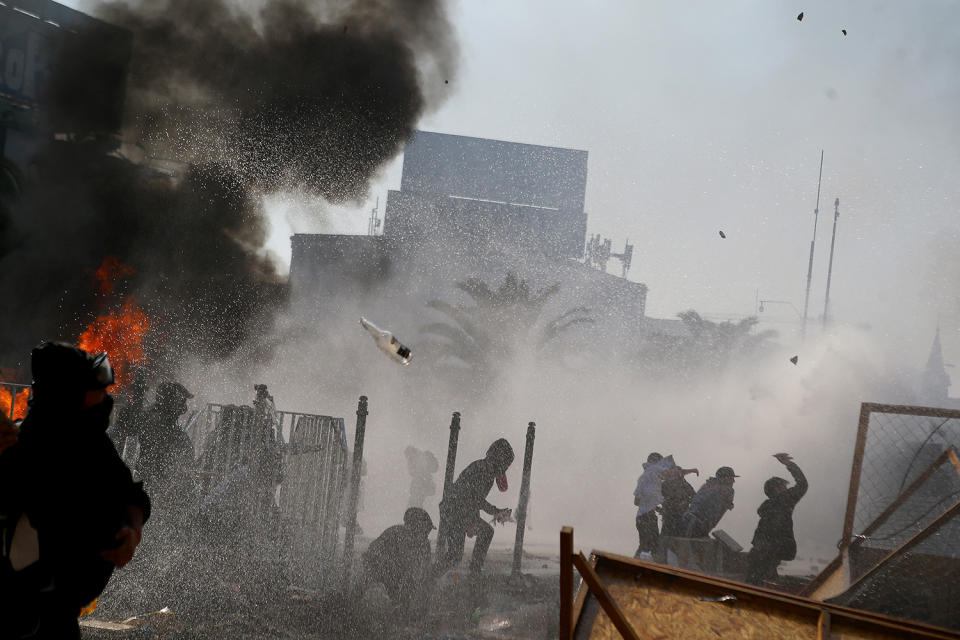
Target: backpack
[24,584]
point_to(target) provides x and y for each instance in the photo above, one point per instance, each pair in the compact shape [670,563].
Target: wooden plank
[821,578]
[912,410]
[855,470]
[600,592]
[839,614]
[566,583]
[581,598]
[823,625]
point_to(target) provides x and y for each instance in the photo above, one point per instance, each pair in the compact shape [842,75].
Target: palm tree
[499,325]
[705,347]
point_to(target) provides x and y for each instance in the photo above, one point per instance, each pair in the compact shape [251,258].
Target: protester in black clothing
[709,504]
[400,560]
[773,540]
[73,499]
[460,508]
[166,451]
[677,493]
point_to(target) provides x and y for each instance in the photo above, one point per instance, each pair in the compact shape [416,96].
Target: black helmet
[62,369]
[417,517]
[172,391]
[500,454]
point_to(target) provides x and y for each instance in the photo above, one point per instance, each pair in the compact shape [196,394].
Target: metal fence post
[448,475]
[354,487]
[524,499]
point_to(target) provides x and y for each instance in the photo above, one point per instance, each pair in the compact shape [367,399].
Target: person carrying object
[773,540]
[460,508]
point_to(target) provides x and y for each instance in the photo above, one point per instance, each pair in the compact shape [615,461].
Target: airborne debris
[387,342]
[800,17]
[723,235]
[844,31]
[794,359]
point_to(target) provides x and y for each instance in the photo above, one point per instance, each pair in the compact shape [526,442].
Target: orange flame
[19,401]
[110,270]
[120,332]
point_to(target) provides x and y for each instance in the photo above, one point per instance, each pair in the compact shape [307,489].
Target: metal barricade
[311,453]
[13,399]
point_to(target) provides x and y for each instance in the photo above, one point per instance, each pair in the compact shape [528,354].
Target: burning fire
[120,332]
[18,399]
[110,270]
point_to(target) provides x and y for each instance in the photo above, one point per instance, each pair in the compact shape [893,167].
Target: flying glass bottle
[387,342]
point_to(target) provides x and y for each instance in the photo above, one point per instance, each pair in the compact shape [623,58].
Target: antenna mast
[833,240]
[813,241]
[373,225]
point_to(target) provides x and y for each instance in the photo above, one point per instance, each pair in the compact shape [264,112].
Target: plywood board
[663,602]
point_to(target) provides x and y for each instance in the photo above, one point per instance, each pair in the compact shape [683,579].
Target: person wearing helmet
[773,540]
[79,512]
[460,508]
[165,449]
[400,559]
[709,504]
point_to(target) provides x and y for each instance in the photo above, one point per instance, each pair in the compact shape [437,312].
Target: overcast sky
[704,116]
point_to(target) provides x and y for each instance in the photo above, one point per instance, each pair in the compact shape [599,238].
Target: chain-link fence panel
[916,581]
[895,445]
[899,550]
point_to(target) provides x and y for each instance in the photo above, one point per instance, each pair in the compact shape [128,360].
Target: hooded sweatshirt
[649,484]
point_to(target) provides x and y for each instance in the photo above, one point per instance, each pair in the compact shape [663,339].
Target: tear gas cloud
[598,415]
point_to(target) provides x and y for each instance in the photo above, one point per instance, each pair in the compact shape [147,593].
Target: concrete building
[61,72]
[471,208]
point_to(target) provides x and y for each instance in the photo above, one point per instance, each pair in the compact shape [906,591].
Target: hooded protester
[400,560]
[773,540]
[647,497]
[677,494]
[709,504]
[460,508]
[78,513]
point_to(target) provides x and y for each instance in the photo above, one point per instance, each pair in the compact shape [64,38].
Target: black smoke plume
[314,97]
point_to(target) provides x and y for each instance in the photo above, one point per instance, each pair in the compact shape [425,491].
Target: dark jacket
[774,533]
[677,493]
[75,490]
[166,451]
[709,504]
[468,494]
[399,559]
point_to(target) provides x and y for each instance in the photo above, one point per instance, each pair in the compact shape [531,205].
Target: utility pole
[833,240]
[813,241]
